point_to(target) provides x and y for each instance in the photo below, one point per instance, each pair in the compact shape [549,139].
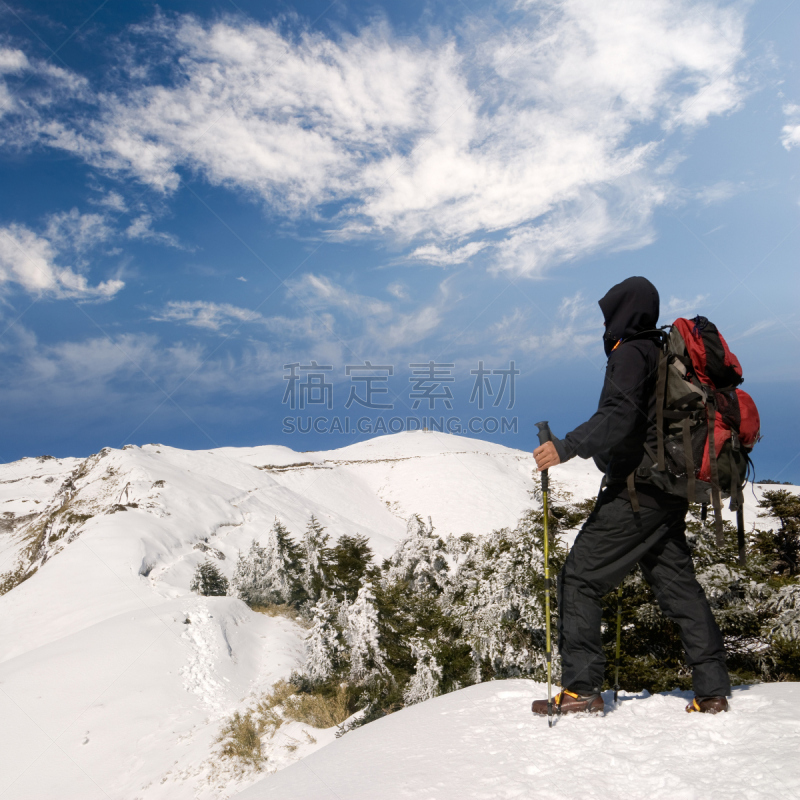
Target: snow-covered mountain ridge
[114,676]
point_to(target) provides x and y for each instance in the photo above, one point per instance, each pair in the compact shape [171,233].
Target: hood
[628,308]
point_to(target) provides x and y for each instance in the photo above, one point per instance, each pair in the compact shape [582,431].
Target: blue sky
[197,194]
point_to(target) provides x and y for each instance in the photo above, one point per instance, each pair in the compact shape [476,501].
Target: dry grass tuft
[319,711]
[240,738]
[282,610]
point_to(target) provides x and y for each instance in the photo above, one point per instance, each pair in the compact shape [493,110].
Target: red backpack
[706,425]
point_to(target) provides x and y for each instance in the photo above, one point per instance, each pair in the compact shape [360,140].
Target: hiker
[631,523]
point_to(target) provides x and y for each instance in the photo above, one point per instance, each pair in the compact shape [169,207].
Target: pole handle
[544,436]
[544,432]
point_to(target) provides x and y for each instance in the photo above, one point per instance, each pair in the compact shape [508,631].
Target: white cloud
[790,133]
[764,325]
[719,192]
[41,83]
[201,314]
[578,229]
[12,62]
[113,200]
[407,329]
[576,325]
[445,257]
[29,260]
[682,307]
[317,291]
[142,228]
[398,290]
[75,231]
[326,318]
[542,136]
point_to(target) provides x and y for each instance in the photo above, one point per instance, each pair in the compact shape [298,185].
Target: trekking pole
[545,436]
[619,643]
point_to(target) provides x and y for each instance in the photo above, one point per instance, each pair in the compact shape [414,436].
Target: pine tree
[496,594]
[322,642]
[363,638]
[208,580]
[314,559]
[419,559]
[350,566]
[269,574]
[425,681]
[281,567]
[783,546]
[248,577]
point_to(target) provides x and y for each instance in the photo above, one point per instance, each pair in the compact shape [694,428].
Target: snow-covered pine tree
[281,567]
[362,636]
[424,683]
[784,608]
[314,559]
[248,577]
[419,559]
[782,547]
[322,641]
[496,595]
[208,580]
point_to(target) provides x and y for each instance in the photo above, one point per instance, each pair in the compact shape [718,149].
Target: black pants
[610,544]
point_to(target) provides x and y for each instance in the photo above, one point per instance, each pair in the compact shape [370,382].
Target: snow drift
[484,743]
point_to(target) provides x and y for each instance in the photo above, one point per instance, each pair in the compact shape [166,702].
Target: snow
[484,743]
[107,691]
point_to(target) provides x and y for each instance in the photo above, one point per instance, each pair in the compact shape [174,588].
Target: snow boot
[566,702]
[707,705]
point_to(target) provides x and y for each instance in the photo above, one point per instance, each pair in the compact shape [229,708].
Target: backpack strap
[740,536]
[716,502]
[661,392]
[634,498]
[737,504]
[687,448]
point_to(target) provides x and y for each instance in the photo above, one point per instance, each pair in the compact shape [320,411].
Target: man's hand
[546,456]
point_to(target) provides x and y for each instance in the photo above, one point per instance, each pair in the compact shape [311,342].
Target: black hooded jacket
[616,433]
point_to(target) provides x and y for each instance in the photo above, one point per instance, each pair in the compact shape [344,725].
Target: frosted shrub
[419,559]
[322,646]
[424,683]
[362,636]
[314,554]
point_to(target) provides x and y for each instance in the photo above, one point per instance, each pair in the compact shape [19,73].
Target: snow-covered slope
[483,742]
[114,677]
